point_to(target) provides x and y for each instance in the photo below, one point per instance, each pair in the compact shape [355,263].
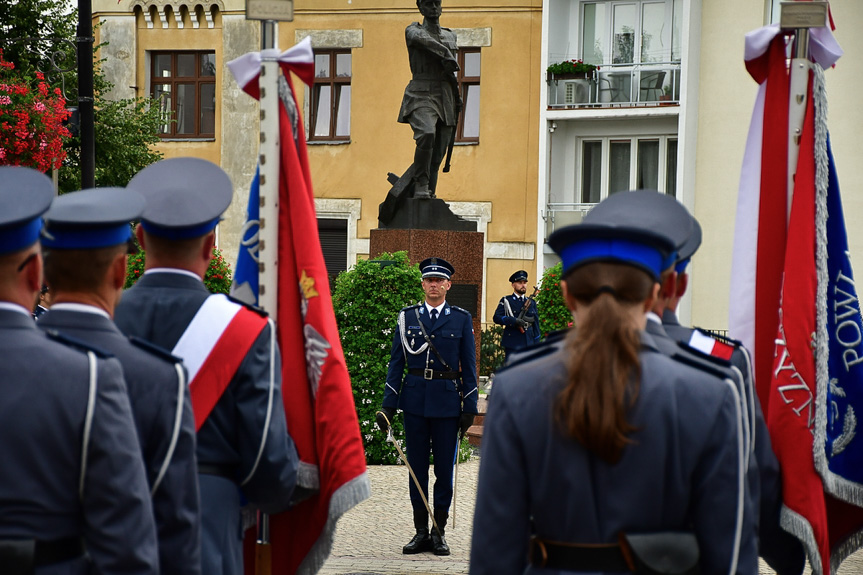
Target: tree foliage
[125,130]
[46,19]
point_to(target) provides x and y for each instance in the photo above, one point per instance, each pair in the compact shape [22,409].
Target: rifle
[458,107]
[526,307]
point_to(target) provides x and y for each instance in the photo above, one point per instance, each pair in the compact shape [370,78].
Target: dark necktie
[433,314]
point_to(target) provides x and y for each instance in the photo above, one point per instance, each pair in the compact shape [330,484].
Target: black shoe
[438,543]
[421,542]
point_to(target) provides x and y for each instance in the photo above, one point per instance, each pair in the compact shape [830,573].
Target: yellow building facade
[493,180]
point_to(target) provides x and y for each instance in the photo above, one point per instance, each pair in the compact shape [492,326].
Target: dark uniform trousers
[152,381]
[159,308]
[432,406]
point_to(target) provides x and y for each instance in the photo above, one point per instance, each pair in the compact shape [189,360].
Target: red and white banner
[778,308]
[318,399]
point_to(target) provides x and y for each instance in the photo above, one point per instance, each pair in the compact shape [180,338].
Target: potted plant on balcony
[665,97]
[569,69]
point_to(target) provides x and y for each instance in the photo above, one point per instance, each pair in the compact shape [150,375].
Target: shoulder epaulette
[154,349]
[455,307]
[247,305]
[719,337]
[76,343]
[700,364]
[537,350]
[414,306]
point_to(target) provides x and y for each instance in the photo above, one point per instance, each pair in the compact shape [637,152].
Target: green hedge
[367,300]
[491,354]
[553,313]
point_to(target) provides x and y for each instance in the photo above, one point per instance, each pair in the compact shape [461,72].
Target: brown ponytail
[604,370]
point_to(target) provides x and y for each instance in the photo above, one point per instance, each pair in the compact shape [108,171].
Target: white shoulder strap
[88,419]
[178,420]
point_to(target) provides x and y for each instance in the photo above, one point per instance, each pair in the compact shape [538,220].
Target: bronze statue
[432,101]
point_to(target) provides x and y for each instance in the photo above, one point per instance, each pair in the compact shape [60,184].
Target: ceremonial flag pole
[317,393]
[793,299]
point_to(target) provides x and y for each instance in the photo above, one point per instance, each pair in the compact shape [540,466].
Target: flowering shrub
[553,313]
[217,279]
[571,67]
[31,120]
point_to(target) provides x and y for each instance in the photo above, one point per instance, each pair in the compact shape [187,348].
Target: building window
[640,32]
[468,79]
[609,165]
[184,83]
[330,115]
[773,11]
[333,234]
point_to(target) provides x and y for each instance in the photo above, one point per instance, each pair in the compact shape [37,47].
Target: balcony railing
[558,215]
[617,85]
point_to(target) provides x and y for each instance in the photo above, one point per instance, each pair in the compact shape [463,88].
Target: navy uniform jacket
[781,550]
[507,310]
[452,335]
[166,432]
[683,471]
[158,308]
[44,391]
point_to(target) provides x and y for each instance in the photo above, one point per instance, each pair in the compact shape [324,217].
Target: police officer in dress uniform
[242,434]
[608,436]
[438,395]
[85,244]
[431,101]
[781,550]
[73,491]
[517,333]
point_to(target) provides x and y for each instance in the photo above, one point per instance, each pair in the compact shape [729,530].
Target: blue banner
[843,443]
[245,285]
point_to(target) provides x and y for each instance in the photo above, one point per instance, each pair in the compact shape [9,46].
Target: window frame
[174,81]
[333,81]
[637,47]
[464,82]
[663,181]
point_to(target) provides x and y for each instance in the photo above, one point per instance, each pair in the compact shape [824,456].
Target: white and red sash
[213,347]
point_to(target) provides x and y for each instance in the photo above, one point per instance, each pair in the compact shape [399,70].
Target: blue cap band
[14,238]
[680,266]
[646,257]
[83,238]
[183,233]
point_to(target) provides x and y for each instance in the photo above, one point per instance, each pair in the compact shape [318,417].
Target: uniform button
[431,361]
[432,337]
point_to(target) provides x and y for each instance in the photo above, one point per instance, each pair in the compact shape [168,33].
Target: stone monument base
[425,214]
[463,249]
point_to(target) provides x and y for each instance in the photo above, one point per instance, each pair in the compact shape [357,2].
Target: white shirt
[80,307]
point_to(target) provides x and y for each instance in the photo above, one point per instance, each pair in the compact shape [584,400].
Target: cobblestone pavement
[369,538]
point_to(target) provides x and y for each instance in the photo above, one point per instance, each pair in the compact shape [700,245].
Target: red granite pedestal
[464,250]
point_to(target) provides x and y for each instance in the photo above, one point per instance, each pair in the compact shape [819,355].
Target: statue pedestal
[422,214]
[463,249]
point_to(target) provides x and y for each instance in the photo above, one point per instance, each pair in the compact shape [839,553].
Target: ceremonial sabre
[455,481]
[404,459]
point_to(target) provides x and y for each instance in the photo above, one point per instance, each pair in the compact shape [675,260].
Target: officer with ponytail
[606,453]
